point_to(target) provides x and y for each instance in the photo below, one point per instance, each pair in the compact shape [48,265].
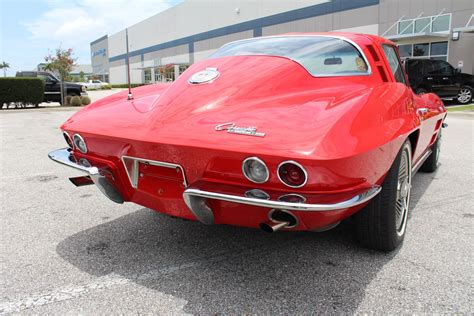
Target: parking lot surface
[70,250]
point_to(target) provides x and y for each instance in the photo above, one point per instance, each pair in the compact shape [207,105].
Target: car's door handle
[445,78]
[429,78]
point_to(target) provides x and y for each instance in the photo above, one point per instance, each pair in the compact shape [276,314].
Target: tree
[81,76]
[4,66]
[62,64]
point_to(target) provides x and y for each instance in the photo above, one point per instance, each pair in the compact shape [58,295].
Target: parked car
[290,132]
[94,84]
[439,77]
[52,88]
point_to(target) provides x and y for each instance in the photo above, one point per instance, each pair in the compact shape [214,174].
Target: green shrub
[68,100]
[134,85]
[106,87]
[76,100]
[24,90]
[85,100]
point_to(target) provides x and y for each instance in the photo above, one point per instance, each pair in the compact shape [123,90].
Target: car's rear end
[246,139]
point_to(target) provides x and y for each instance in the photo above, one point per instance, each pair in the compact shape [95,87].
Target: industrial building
[164,45]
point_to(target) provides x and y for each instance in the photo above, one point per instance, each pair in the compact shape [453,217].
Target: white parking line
[67,293]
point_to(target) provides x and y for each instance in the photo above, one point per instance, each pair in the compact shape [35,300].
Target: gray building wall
[151,44]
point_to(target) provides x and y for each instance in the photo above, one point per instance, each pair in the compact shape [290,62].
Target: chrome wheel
[403,192]
[464,95]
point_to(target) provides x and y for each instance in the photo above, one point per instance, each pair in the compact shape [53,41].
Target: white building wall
[194,16]
[118,74]
[117,43]
[366,29]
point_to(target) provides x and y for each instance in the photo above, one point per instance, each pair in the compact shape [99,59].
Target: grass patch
[467,107]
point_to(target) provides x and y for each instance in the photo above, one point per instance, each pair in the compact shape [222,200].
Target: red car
[288,132]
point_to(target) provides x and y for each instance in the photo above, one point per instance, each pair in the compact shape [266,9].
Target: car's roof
[355,37]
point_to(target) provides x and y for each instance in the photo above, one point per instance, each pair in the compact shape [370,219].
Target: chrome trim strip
[281,205]
[299,165]
[134,177]
[420,161]
[63,156]
[260,161]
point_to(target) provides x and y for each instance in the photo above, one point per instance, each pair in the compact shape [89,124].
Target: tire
[421,91]
[464,95]
[382,223]
[431,163]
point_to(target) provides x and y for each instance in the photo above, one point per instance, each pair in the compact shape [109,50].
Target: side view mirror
[457,70]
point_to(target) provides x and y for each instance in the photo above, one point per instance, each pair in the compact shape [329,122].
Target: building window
[147,75]
[158,75]
[440,48]
[406,50]
[435,51]
[421,49]
[441,23]
[182,68]
[164,73]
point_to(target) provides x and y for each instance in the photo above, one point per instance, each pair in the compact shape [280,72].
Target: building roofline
[99,39]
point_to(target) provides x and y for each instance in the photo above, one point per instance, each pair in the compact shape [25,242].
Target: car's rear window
[319,55]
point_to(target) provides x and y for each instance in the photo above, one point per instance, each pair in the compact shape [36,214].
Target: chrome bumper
[64,156]
[195,199]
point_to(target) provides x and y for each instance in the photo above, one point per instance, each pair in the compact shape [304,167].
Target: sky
[31,29]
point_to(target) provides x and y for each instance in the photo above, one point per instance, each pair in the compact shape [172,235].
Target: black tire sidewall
[376,226]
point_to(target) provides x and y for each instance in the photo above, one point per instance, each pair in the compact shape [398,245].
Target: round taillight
[68,139]
[255,170]
[80,143]
[292,174]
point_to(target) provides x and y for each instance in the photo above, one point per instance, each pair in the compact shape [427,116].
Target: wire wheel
[403,192]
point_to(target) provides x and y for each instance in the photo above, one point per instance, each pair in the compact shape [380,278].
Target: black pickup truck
[440,77]
[52,89]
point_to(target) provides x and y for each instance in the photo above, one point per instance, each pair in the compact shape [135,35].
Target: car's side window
[442,68]
[394,62]
[45,78]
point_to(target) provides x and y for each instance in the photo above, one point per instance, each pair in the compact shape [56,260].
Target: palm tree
[4,66]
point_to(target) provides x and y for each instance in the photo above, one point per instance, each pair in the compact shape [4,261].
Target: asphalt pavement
[70,250]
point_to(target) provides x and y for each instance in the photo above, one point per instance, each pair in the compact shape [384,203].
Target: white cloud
[76,24]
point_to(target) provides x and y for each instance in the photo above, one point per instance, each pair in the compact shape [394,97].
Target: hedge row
[24,90]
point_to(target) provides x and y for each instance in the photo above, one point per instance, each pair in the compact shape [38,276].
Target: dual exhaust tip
[279,219]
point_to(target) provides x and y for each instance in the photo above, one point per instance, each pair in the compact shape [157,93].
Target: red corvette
[289,132]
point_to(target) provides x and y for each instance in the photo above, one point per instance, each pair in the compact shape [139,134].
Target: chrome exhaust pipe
[279,219]
[271,227]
